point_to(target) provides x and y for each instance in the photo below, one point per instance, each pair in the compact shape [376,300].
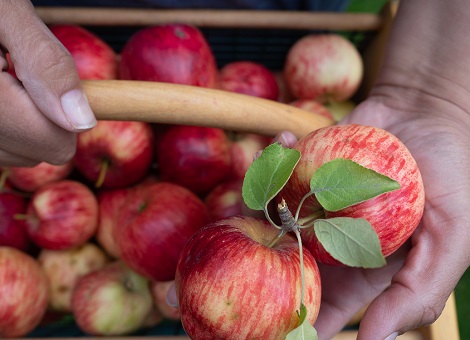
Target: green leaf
[305,330]
[268,174]
[341,183]
[352,241]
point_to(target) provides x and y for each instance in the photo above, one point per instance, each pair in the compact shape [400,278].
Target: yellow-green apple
[159,291]
[250,78]
[63,268]
[339,110]
[313,106]
[30,179]
[323,67]
[196,157]
[243,148]
[13,230]
[62,215]
[93,57]
[23,291]
[115,154]
[393,215]
[171,53]
[154,224]
[112,300]
[232,280]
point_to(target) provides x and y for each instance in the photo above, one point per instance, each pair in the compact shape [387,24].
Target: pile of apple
[105,235]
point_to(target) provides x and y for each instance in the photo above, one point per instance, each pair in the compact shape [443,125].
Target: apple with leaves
[171,53]
[62,215]
[112,300]
[238,276]
[115,154]
[393,179]
[154,224]
[23,291]
[63,268]
[93,57]
[250,78]
[323,67]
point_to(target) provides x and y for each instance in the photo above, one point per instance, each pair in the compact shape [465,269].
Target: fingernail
[78,110]
[171,298]
[286,138]
[392,336]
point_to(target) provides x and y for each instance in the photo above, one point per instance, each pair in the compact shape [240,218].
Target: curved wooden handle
[155,102]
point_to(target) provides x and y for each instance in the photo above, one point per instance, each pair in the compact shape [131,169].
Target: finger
[9,159]
[171,297]
[286,138]
[419,291]
[25,132]
[45,68]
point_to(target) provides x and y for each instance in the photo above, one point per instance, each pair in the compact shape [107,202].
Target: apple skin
[24,292]
[127,146]
[229,282]
[393,215]
[243,148]
[30,179]
[323,67]
[155,223]
[13,231]
[250,78]
[113,300]
[313,106]
[172,53]
[63,268]
[62,215]
[195,157]
[93,57]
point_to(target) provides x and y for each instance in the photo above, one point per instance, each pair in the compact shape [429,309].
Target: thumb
[45,67]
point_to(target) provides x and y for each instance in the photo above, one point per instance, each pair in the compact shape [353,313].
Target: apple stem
[103,169]
[302,274]
[301,203]
[277,238]
[3,178]
[24,217]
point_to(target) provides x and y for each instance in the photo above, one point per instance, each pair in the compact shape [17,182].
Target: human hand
[41,113]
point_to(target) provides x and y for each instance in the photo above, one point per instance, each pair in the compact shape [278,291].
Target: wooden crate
[154,111]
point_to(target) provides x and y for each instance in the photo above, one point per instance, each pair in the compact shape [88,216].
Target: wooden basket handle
[166,103]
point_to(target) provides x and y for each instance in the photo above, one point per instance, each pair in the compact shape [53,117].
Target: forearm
[428,53]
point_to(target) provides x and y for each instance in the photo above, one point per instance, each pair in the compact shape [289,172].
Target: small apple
[23,291]
[113,300]
[30,179]
[339,110]
[313,106]
[12,230]
[250,78]
[115,154]
[323,67]
[64,267]
[393,215]
[154,224]
[195,157]
[243,148]
[62,215]
[172,53]
[94,58]
[229,281]
[159,291]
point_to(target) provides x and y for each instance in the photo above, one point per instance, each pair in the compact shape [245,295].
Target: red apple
[115,154]
[32,178]
[159,292]
[155,223]
[173,53]
[323,67]
[248,77]
[243,148]
[394,215]
[313,106]
[230,282]
[12,230]
[94,58]
[62,215]
[113,300]
[63,268]
[195,157]
[23,291]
